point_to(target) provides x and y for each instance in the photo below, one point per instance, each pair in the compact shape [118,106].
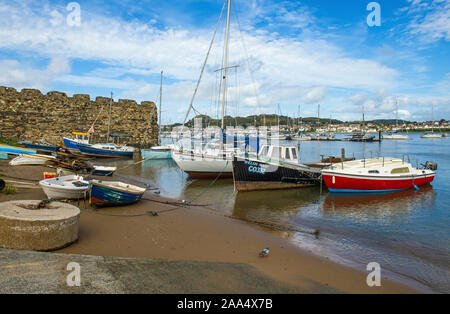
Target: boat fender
[430,165]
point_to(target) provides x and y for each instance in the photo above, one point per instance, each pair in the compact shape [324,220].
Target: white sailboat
[395,135]
[431,134]
[213,159]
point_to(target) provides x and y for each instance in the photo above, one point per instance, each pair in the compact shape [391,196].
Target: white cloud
[286,70]
[14,74]
[431,20]
[314,95]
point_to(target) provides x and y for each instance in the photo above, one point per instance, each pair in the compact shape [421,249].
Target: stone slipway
[40,272]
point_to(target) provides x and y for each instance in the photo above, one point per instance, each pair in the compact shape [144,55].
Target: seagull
[264,252]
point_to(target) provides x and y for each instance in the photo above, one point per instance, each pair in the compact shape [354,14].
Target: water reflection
[275,207]
[383,207]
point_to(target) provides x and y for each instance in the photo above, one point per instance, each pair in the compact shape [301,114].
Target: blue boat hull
[102,173]
[71,145]
[98,152]
[16,150]
[45,148]
[154,154]
[104,196]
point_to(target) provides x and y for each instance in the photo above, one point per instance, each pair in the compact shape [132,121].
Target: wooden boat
[376,175]
[276,167]
[157,152]
[35,159]
[16,150]
[112,193]
[67,187]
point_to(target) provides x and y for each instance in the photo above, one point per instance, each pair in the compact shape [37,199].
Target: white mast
[160,105]
[225,65]
[109,118]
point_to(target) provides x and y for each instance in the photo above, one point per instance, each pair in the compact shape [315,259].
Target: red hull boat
[376,175]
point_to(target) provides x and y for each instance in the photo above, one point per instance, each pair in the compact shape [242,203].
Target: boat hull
[253,175]
[103,153]
[363,184]
[154,154]
[44,148]
[202,167]
[16,150]
[108,196]
[71,145]
[58,191]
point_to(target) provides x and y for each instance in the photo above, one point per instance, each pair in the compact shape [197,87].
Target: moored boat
[80,138]
[106,150]
[67,187]
[395,136]
[157,152]
[431,135]
[376,175]
[16,150]
[113,193]
[40,147]
[276,167]
[31,159]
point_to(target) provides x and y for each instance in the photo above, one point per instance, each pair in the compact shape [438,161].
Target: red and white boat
[376,175]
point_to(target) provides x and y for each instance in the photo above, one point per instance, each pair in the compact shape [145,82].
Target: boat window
[264,151]
[374,171]
[294,154]
[288,154]
[400,170]
[276,152]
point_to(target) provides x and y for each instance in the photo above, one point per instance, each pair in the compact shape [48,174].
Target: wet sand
[198,234]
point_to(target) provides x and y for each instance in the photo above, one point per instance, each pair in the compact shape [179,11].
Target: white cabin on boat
[279,153]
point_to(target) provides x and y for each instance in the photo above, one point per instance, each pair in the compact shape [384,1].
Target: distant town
[311,124]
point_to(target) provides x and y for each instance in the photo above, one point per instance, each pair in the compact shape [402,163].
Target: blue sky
[293,53]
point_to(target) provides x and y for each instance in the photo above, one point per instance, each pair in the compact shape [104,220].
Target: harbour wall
[30,115]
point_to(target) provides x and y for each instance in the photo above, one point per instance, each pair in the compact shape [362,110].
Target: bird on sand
[264,253]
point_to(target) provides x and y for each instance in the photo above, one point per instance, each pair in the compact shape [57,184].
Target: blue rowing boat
[113,193]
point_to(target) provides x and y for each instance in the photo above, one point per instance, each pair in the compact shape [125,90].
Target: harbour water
[406,232]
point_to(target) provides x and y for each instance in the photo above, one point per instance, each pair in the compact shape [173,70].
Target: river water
[406,232]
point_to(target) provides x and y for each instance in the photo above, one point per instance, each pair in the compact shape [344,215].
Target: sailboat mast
[225,65]
[109,118]
[160,106]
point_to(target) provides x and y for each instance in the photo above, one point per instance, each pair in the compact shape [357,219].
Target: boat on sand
[67,187]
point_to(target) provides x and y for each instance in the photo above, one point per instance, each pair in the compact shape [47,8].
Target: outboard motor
[430,165]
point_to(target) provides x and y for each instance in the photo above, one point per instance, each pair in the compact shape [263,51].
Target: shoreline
[199,234]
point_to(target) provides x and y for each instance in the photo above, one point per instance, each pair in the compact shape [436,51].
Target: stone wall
[30,115]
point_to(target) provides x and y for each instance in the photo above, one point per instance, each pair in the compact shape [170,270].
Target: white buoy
[23,225]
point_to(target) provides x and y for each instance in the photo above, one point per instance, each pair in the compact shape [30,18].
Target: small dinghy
[67,187]
[103,170]
[113,193]
[27,159]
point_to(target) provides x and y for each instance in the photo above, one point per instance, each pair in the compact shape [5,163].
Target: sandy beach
[195,233]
